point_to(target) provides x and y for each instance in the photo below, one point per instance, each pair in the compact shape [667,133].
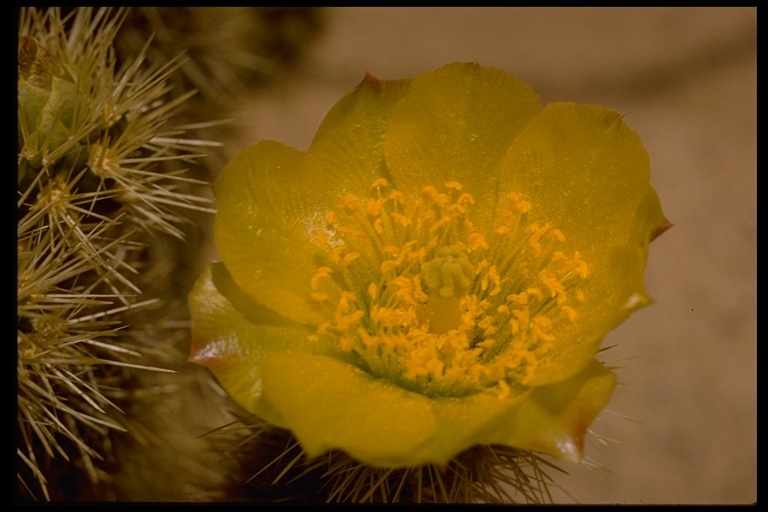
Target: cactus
[96,140]
[113,209]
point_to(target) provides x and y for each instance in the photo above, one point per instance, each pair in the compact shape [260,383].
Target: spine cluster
[100,183]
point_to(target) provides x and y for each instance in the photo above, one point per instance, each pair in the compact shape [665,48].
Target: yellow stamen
[433,303]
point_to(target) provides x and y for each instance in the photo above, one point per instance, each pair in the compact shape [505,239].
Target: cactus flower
[435,272]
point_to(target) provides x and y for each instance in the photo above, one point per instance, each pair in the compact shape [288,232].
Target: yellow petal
[466,422]
[231,346]
[232,335]
[585,172]
[552,419]
[581,166]
[348,147]
[556,417]
[269,209]
[649,219]
[455,124]
[328,404]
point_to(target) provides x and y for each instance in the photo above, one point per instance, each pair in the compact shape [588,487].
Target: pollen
[437,306]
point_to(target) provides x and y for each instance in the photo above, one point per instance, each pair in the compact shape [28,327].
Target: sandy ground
[684,420]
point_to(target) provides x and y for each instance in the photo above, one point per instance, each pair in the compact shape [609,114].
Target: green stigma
[448,277]
[449,274]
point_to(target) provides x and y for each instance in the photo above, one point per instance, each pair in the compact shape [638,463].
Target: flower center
[448,277]
[426,300]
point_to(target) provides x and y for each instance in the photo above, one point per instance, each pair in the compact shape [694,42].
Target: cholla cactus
[96,140]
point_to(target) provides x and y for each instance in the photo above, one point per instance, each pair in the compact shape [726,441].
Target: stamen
[435,305]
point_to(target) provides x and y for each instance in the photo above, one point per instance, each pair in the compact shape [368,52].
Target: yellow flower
[436,272]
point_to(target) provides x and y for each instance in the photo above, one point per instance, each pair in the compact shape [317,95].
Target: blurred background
[682,426]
